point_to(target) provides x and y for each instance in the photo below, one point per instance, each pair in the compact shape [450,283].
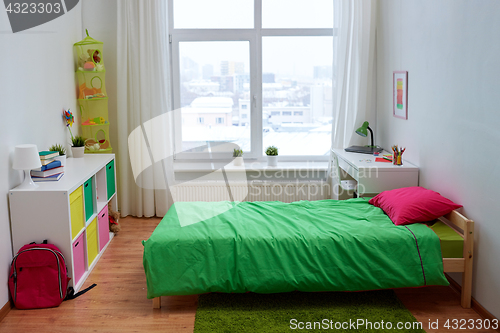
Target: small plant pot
[272,161]
[78,152]
[61,158]
[238,161]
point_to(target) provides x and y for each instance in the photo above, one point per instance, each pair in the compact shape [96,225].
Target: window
[213,14]
[271,58]
[209,90]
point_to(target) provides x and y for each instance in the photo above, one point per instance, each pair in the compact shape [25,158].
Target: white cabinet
[374,177]
[71,213]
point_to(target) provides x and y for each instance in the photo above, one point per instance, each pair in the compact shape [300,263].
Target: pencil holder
[397,159]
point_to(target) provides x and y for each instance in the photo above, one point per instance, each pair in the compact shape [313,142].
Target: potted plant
[62,153]
[78,146]
[238,157]
[272,156]
[77,142]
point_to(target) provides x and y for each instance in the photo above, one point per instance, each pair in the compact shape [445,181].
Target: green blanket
[270,247]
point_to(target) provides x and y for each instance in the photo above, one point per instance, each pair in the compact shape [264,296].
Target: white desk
[375,177]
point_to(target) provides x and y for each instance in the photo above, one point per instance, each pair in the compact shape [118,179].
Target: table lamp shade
[26,157]
[363,130]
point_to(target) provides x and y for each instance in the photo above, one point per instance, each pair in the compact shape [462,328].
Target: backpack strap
[44,242]
[71,292]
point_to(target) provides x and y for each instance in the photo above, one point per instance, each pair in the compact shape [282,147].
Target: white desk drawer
[375,177]
[350,169]
[376,182]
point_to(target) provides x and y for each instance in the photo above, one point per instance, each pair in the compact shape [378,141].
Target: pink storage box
[79,258]
[103,226]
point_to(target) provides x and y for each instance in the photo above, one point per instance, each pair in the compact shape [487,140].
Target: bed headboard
[458,221]
[465,228]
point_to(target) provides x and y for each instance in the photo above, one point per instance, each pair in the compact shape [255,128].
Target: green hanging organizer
[92,96]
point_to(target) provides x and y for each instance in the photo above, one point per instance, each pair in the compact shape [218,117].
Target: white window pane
[297,14]
[297,106]
[213,14]
[214,86]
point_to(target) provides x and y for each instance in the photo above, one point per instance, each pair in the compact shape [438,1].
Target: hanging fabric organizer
[92,96]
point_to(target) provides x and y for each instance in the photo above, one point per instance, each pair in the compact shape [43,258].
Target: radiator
[251,191]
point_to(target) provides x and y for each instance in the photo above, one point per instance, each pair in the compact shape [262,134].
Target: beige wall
[451,50]
[37,81]
[102,25]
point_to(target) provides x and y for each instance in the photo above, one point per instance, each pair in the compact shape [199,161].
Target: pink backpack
[38,277]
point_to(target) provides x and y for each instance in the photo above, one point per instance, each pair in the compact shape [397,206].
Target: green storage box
[110,178]
[88,194]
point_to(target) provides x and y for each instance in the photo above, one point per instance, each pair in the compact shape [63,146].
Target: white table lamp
[26,158]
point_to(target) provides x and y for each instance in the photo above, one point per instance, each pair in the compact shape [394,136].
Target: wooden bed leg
[467,274]
[156,302]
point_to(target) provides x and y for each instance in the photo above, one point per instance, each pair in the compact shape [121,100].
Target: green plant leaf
[272,151]
[78,141]
[59,148]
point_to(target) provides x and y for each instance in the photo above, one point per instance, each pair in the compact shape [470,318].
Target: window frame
[254,37]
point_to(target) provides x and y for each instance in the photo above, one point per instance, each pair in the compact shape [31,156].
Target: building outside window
[271,58]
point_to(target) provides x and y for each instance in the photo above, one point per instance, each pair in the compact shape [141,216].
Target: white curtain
[355,67]
[145,140]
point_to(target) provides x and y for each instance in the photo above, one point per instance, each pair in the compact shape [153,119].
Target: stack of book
[51,169]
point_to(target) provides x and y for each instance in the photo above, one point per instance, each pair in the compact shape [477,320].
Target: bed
[270,247]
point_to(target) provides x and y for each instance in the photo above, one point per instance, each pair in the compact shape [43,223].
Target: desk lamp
[26,158]
[363,131]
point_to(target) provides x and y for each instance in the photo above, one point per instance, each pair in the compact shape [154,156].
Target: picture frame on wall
[400,94]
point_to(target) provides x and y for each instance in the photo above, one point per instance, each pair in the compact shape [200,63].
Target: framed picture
[400,94]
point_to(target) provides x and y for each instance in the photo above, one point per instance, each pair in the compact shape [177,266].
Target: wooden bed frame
[465,228]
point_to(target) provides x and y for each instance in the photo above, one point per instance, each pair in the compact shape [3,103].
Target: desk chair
[340,189]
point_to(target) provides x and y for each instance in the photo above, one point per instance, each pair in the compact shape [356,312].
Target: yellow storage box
[76,208]
[92,241]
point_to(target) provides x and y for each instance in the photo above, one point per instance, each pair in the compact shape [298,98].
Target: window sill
[250,166]
[285,171]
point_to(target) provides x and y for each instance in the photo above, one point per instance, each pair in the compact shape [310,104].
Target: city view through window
[217,104]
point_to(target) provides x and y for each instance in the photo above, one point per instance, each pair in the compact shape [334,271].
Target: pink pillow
[413,204]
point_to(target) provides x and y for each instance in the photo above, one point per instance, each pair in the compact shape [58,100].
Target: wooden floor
[119,304]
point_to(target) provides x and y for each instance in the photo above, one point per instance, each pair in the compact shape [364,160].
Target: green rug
[371,311]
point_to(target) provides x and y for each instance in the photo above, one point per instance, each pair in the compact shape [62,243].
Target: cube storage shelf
[71,213]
